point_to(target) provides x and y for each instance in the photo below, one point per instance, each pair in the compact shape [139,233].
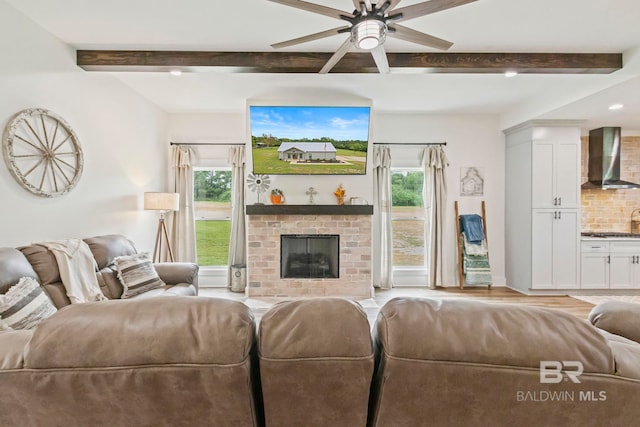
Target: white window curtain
[237,242]
[382,262]
[435,163]
[183,234]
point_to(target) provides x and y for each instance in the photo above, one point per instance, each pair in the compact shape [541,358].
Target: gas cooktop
[605,234]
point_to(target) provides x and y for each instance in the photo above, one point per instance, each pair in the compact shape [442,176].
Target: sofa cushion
[307,328]
[43,262]
[137,274]
[13,265]
[316,363]
[24,305]
[177,272]
[181,361]
[618,317]
[627,357]
[138,332]
[106,248]
[45,265]
[12,345]
[496,334]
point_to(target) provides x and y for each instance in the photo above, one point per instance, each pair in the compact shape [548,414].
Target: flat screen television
[309,140]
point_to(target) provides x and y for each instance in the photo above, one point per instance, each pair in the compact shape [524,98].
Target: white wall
[471,141]
[123,137]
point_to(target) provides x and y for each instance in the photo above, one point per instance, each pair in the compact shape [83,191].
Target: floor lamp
[162,202]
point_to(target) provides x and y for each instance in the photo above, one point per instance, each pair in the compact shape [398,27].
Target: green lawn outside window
[212,240]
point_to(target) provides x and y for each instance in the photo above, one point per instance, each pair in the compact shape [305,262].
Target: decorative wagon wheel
[42,152]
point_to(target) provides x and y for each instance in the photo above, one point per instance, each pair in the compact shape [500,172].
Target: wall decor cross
[311,192]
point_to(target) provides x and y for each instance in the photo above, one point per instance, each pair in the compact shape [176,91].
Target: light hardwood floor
[567,304]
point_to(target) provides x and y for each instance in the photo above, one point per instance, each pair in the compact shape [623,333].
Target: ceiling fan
[370,24]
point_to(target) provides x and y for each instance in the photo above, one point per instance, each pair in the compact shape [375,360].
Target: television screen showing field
[309,140]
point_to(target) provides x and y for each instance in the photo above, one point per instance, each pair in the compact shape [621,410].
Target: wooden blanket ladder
[459,244]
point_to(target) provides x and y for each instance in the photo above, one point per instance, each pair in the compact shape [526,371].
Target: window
[408,217]
[212,208]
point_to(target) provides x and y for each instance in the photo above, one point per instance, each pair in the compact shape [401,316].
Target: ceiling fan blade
[410,35]
[426,8]
[380,58]
[392,4]
[315,8]
[310,37]
[356,4]
[342,50]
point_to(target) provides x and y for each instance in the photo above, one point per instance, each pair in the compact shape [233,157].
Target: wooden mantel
[309,210]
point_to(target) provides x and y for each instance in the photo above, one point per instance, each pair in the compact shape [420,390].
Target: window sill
[410,276]
[213,276]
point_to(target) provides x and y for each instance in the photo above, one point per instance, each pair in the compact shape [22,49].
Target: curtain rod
[204,143]
[407,143]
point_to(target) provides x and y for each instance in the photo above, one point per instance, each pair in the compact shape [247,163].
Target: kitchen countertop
[603,235]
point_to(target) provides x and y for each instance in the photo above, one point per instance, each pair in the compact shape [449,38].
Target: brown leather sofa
[176,361]
[38,262]
[467,363]
[195,362]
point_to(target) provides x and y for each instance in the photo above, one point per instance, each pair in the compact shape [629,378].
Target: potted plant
[277,197]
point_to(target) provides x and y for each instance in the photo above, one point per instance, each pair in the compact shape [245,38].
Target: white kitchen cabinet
[542,206]
[625,265]
[555,173]
[610,264]
[595,262]
[555,249]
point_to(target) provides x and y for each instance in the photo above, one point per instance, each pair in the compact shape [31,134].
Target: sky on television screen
[338,123]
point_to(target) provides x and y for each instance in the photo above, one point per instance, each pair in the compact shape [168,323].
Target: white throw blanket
[476,249]
[77,270]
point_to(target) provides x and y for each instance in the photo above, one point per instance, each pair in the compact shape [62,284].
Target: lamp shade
[161,201]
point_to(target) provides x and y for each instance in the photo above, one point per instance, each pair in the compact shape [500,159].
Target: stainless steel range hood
[604,160]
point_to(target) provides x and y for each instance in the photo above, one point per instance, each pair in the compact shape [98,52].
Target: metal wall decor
[471,181]
[42,152]
[258,184]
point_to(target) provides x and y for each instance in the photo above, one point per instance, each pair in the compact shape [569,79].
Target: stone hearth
[266,223]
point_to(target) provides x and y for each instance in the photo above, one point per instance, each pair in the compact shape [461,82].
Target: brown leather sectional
[470,363]
[40,263]
[194,361]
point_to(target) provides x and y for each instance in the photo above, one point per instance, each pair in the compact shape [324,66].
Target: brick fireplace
[268,223]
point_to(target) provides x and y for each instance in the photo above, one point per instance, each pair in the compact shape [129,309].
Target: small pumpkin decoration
[277,197]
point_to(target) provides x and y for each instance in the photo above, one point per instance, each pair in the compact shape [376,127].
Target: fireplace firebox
[309,256]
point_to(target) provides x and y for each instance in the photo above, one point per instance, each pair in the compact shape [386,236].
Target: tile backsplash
[610,210]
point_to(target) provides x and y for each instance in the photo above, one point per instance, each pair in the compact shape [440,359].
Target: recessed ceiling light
[176,72]
[510,73]
[616,107]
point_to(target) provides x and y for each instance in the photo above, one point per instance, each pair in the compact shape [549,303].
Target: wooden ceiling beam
[360,62]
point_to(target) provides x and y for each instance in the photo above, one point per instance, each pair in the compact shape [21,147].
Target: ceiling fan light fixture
[369,34]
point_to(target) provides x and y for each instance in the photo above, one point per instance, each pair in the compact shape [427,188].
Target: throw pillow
[137,274]
[24,305]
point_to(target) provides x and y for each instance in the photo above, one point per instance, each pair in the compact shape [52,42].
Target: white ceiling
[579,26]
